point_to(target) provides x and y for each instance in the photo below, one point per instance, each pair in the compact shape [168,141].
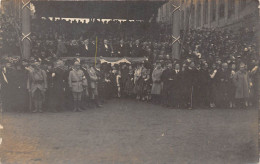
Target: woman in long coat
[241,81]
[157,83]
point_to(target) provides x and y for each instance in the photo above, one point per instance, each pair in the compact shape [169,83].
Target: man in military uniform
[93,84]
[75,80]
[37,85]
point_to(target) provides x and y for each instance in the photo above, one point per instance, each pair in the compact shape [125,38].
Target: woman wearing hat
[37,86]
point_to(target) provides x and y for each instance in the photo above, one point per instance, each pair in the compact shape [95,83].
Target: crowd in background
[97,38]
[9,40]
[218,67]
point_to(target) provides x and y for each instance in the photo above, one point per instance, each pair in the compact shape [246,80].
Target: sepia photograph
[129,81]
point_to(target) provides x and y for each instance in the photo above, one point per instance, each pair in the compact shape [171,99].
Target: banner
[124,60]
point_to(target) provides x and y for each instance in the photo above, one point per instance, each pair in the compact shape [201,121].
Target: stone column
[209,13]
[226,10]
[217,11]
[202,13]
[236,9]
[26,29]
[196,13]
[176,29]
[184,8]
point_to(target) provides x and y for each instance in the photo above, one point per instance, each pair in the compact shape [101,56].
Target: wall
[212,13]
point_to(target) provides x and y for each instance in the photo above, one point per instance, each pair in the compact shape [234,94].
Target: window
[205,12]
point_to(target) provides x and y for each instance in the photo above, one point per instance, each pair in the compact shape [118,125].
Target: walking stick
[30,101]
[191,97]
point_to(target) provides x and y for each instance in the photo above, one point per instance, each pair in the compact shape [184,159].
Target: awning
[128,9]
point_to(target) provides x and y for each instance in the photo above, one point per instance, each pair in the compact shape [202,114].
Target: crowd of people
[98,38]
[9,37]
[218,67]
[76,84]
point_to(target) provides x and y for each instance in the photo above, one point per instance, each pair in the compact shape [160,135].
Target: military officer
[76,77]
[37,85]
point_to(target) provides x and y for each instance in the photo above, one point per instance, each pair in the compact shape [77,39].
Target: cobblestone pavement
[130,132]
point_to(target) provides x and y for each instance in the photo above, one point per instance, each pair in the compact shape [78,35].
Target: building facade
[211,13]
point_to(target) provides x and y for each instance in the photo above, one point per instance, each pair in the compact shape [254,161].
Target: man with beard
[167,79]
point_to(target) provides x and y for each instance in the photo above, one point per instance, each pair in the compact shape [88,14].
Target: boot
[78,106]
[40,107]
[97,103]
[35,107]
[75,106]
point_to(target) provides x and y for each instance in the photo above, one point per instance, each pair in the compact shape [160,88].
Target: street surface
[131,132]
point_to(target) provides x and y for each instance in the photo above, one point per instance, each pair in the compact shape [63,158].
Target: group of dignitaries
[38,87]
[76,85]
